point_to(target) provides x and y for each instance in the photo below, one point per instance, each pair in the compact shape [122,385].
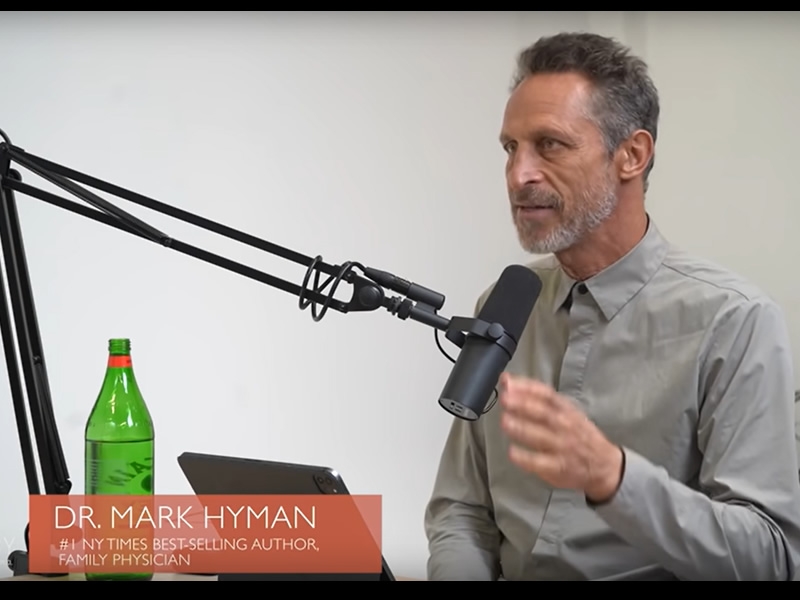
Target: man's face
[559,175]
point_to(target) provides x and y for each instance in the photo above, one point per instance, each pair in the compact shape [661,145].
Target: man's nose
[524,169]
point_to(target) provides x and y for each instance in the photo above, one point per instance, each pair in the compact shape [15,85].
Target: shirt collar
[613,287]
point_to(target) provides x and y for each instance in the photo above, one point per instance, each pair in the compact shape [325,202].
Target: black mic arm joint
[403,308]
[461,327]
[367,295]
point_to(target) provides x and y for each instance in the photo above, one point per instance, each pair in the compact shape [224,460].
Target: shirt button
[582,289]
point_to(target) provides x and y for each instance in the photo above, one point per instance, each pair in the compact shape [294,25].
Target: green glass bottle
[120,440]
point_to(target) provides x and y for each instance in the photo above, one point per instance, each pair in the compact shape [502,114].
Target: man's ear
[634,154]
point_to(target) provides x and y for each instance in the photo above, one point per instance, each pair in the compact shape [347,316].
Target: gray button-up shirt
[688,368]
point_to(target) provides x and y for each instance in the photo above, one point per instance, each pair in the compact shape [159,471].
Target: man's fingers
[549,467]
[517,390]
[530,434]
[526,385]
[528,407]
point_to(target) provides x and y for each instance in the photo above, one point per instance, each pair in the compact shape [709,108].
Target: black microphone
[490,342]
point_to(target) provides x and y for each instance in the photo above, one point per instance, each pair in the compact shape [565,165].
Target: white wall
[370,138]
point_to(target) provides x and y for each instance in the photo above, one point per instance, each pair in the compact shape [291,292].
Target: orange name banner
[205,534]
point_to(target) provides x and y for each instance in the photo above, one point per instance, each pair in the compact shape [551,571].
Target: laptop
[210,474]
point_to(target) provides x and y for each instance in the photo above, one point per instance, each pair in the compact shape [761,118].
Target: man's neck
[605,245]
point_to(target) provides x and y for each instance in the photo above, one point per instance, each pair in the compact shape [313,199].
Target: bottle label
[119,468]
[117,361]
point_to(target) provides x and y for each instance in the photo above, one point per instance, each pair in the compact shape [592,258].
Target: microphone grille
[512,299]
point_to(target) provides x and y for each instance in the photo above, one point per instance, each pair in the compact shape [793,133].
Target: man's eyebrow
[543,131]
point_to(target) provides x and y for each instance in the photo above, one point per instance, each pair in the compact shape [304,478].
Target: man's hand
[551,437]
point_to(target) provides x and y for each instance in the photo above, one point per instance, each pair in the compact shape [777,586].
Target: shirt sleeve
[463,540]
[741,519]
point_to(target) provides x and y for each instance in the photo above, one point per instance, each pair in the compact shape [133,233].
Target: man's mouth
[536,212]
[535,207]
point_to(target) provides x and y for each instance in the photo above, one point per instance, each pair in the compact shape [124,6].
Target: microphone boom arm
[27,374]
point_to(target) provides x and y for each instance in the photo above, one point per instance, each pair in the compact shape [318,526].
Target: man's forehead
[555,95]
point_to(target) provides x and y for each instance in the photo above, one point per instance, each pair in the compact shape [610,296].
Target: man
[645,426]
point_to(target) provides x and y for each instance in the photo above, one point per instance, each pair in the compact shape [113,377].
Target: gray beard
[597,204]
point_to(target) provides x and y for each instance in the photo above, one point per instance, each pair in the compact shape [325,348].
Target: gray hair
[624,99]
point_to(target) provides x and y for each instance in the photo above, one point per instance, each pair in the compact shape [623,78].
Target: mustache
[531,197]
